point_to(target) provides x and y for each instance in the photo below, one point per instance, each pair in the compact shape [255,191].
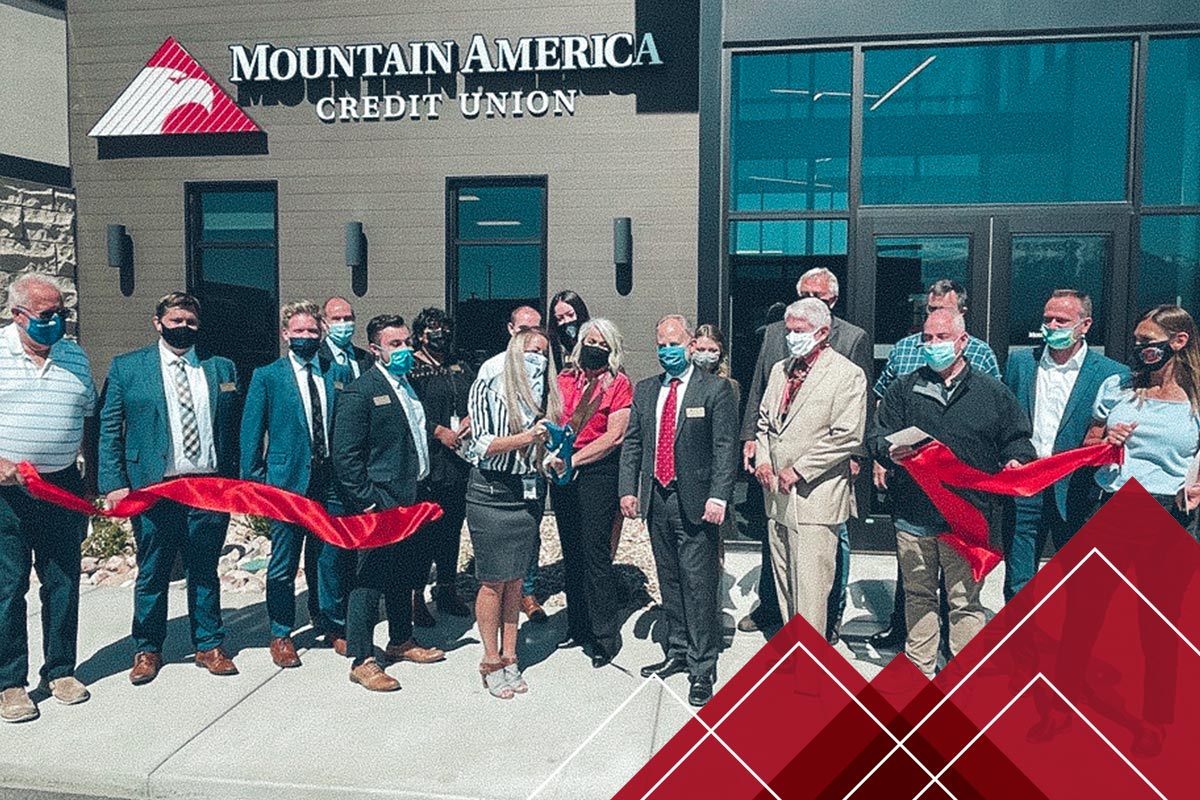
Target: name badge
[229,387]
[338,386]
[694,412]
[383,399]
[529,487]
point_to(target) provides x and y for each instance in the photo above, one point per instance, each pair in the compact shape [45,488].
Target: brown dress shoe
[421,616]
[145,667]
[283,652]
[338,643]
[69,691]
[17,706]
[370,675]
[533,609]
[411,651]
[216,662]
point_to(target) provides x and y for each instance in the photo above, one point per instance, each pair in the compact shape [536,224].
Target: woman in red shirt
[585,508]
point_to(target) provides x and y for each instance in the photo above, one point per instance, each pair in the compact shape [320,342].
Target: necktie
[191,433]
[795,381]
[664,453]
[318,419]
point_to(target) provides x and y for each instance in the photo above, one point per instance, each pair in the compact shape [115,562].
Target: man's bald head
[944,325]
[338,309]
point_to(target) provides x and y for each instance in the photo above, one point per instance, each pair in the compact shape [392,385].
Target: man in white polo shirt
[46,392]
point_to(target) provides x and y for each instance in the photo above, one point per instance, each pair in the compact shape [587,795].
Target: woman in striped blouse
[506,493]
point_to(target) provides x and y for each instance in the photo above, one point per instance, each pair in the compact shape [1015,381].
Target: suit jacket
[329,366]
[825,426]
[1021,377]
[374,456]
[135,431]
[845,338]
[275,412]
[706,452]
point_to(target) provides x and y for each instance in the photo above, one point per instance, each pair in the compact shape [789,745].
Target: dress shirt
[301,375]
[343,358]
[414,412]
[680,391]
[177,461]
[1054,384]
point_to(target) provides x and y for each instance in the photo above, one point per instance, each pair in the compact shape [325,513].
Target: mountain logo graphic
[173,94]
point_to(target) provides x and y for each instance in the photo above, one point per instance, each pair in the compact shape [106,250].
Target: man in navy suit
[1056,384]
[285,443]
[169,411]
[380,452]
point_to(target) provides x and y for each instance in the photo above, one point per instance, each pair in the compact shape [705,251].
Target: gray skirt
[503,526]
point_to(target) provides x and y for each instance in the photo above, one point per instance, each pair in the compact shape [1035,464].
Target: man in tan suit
[810,422]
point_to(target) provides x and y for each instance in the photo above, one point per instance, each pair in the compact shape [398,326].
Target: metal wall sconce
[356,256]
[623,254]
[120,255]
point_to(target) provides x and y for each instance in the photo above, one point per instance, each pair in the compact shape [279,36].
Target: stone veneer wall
[37,234]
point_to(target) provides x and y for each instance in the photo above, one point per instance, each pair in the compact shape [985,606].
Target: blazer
[825,426]
[374,456]
[706,450]
[135,431]
[1021,377]
[845,338]
[275,412]
[329,366]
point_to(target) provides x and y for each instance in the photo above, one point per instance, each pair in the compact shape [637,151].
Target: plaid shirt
[905,357]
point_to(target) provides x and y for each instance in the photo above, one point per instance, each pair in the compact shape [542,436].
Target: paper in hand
[909,437]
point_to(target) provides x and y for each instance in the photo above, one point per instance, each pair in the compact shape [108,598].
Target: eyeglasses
[46,316]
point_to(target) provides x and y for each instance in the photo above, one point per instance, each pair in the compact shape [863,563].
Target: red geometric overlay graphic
[173,94]
[1085,685]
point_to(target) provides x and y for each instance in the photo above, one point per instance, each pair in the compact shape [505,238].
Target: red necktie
[664,453]
[789,391]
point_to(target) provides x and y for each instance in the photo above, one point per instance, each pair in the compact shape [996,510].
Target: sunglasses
[46,316]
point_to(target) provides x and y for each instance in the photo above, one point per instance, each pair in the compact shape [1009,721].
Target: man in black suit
[850,341]
[379,454]
[680,476]
[338,355]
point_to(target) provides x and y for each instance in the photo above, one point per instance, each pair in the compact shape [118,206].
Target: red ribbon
[934,468]
[230,496]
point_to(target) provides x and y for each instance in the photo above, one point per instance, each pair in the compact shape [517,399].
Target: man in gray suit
[847,340]
[678,464]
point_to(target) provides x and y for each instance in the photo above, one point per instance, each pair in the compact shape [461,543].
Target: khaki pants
[921,557]
[804,560]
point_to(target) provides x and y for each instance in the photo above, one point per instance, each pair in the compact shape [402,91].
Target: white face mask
[801,344]
[706,359]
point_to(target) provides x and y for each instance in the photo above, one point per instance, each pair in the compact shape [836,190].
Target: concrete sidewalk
[309,734]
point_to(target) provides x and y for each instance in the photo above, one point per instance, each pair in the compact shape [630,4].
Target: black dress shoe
[701,691]
[665,668]
[747,624]
[600,656]
[833,636]
[888,639]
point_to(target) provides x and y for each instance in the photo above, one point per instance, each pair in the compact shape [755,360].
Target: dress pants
[804,562]
[440,539]
[287,542]
[1037,518]
[685,557]
[584,510]
[921,558]
[46,537]
[388,572]
[163,531]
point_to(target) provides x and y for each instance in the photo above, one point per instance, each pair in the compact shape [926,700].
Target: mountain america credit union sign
[262,65]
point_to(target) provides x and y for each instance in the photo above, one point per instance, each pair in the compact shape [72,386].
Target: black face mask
[1151,357]
[438,341]
[180,338]
[304,347]
[593,357]
[568,333]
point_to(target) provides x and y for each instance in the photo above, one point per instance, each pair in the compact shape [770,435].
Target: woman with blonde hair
[506,493]
[597,397]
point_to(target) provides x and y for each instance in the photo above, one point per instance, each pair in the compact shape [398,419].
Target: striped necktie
[191,433]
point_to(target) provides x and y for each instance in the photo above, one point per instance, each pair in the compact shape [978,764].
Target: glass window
[905,266]
[234,270]
[1042,263]
[1013,123]
[1170,263]
[497,231]
[789,134]
[1171,172]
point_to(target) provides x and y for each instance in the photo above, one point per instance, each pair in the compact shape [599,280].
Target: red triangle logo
[173,94]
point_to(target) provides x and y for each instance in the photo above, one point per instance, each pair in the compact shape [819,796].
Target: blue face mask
[400,362]
[938,355]
[45,333]
[340,333]
[673,358]
[305,347]
[1059,338]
